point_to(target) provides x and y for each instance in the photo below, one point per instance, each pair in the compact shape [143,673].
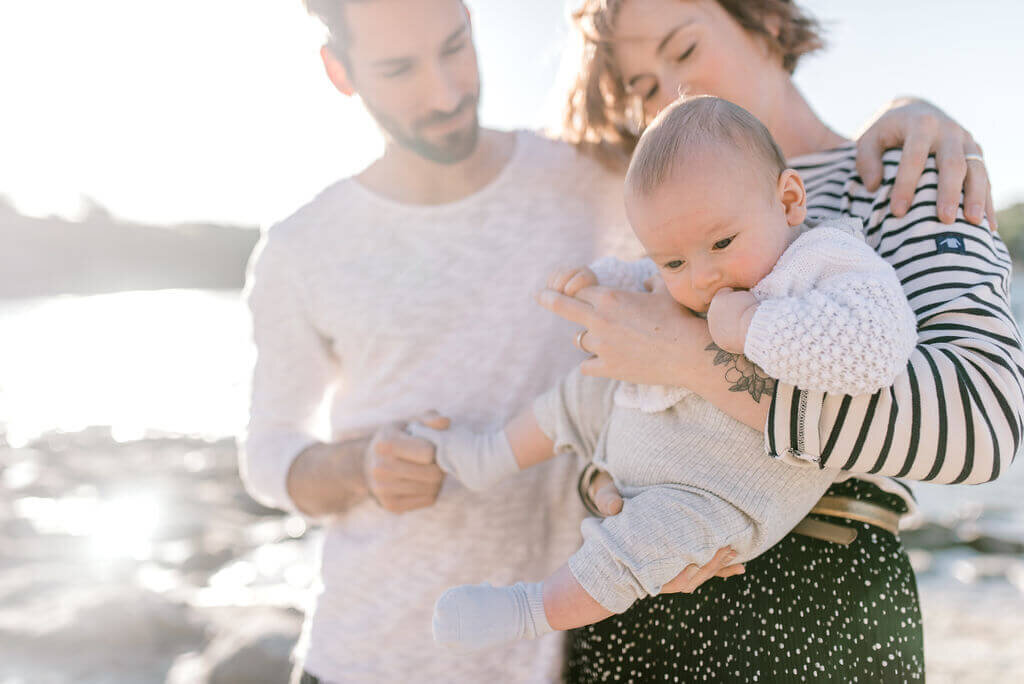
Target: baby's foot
[478,616]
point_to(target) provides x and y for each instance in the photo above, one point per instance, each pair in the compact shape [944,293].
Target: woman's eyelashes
[653,90]
[725,242]
[686,53]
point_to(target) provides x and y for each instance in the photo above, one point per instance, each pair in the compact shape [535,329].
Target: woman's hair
[602,118]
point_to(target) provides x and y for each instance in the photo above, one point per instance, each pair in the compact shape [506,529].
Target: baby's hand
[729,318]
[569,281]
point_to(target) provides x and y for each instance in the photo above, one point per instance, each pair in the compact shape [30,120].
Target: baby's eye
[722,244]
[674,264]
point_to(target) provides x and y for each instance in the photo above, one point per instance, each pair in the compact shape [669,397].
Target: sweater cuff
[598,575]
[264,467]
[761,339]
[792,433]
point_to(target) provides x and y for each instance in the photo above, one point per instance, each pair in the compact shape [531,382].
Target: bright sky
[191,109]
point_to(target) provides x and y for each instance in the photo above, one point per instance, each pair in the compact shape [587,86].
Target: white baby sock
[478,460]
[477,616]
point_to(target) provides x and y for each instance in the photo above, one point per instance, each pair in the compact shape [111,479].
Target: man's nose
[442,90]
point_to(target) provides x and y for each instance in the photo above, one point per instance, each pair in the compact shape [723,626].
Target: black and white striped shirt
[955,414]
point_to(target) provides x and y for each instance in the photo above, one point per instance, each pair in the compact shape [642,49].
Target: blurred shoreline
[145,560]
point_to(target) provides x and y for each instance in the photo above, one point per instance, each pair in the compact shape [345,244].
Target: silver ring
[974,157]
[579,341]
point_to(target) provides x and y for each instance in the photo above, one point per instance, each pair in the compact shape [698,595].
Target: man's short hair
[331,14]
[693,123]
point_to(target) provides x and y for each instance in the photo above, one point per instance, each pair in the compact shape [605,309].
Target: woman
[820,606]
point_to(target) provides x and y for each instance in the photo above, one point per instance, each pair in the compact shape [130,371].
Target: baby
[721,218]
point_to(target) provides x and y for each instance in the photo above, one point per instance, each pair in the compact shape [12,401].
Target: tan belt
[852,509]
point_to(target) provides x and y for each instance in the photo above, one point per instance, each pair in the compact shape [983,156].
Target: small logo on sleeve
[950,242]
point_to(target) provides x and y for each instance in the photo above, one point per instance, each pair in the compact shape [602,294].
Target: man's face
[414,64]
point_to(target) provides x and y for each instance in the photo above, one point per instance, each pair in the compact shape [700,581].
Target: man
[407,287]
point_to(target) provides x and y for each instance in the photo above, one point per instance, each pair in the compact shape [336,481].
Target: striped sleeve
[955,414]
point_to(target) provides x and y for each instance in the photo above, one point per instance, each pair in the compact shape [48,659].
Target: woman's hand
[606,498]
[640,337]
[921,128]
[569,281]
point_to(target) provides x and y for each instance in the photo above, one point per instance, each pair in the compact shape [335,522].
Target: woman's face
[665,48]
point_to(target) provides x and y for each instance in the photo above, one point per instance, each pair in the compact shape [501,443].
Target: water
[177,361]
[171,361]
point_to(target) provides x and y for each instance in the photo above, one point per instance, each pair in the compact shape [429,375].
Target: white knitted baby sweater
[832,317]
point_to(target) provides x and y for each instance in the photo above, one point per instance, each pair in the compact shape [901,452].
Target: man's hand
[606,498]
[729,318]
[400,471]
[569,281]
[921,128]
[395,468]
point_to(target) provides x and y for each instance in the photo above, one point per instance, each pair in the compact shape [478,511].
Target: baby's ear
[793,196]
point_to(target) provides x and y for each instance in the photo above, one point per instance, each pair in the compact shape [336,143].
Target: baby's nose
[704,278]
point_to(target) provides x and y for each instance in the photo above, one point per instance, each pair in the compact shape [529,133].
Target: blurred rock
[930,536]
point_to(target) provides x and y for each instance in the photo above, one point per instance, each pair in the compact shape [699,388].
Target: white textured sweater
[375,311]
[832,315]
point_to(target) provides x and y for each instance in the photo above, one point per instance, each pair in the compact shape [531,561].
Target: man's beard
[452,147]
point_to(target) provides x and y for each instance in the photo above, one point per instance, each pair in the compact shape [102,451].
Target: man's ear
[793,196]
[337,72]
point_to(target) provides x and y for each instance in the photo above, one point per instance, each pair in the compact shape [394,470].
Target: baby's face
[715,225]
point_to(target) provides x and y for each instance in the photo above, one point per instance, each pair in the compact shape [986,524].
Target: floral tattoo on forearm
[744,375]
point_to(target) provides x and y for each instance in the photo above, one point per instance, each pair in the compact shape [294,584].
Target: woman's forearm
[728,381]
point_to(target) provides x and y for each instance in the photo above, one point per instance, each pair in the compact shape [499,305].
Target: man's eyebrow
[391,62]
[456,35]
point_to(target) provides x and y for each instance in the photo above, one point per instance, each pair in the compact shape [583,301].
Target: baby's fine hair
[698,122]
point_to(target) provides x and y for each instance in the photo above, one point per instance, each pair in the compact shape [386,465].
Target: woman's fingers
[953,169]
[990,212]
[605,494]
[731,570]
[608,500]
[569,308]
[558,279]
[722,559]
[912,162]
[581,279]
[434,420]
[869,159]
[693,576]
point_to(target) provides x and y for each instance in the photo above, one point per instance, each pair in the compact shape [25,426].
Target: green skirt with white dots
[806,610]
